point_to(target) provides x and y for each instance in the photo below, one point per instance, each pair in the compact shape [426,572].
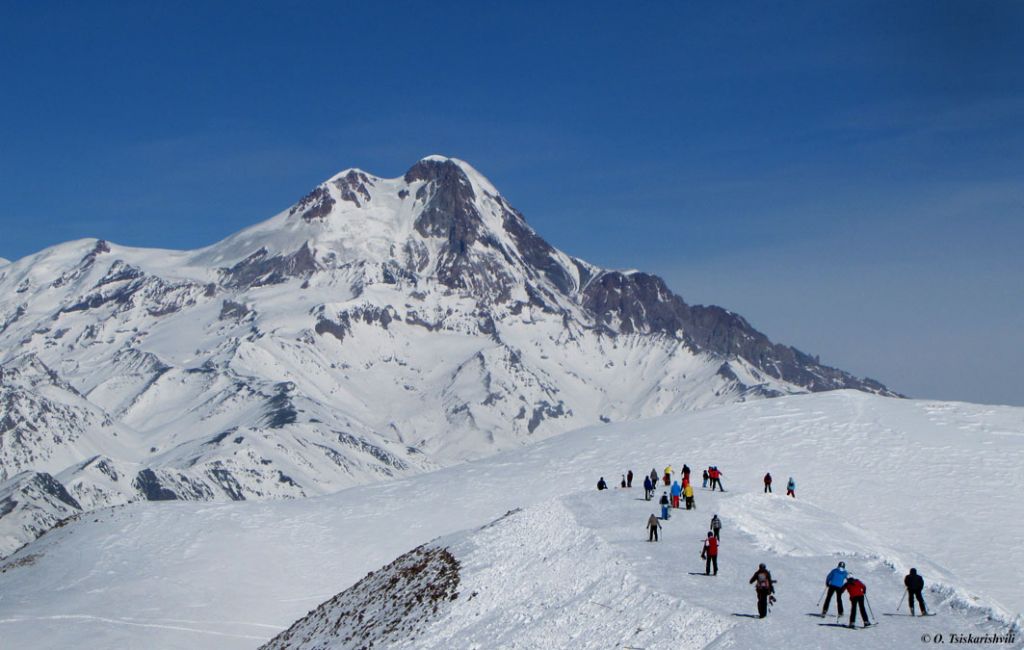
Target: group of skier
[790,486]
[837,582]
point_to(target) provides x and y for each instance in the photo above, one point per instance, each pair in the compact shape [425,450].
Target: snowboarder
[857,591]
[601,485]
[668,475]
[835,582]
[706,477]
[652,526]
[664,505]
[710,554]
[648,488]
[768,483]
[716,527]
[676,491]
[915,584]
[622,483]
[791,488]
[765,587]
[629,479]
[688,493]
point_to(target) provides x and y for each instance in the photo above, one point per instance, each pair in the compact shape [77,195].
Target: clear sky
[847,175]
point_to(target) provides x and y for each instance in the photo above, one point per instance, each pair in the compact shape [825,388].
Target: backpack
[763,581]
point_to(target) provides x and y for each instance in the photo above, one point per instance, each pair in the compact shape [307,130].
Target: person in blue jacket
[676,491]
[648,488]
[791,488]
[835,581]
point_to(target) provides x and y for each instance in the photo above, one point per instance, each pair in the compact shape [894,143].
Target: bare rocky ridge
[376,328]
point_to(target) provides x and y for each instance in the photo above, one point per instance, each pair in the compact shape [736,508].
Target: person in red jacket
[710,554]
[857,591]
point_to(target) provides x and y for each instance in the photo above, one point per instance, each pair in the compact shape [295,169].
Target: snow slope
[874,484]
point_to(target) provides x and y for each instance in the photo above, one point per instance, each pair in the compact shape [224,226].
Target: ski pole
[868,601]
[901,601]
[821,596]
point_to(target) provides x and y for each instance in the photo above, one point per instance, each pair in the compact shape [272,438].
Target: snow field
[871,475]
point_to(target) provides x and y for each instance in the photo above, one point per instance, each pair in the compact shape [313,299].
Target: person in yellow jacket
[688,493]
[668,475]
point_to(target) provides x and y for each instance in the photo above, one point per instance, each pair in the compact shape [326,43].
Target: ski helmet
[761,566]
[710,533]
[842,565]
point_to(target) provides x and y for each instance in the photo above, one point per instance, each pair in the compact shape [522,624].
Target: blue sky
[849,176]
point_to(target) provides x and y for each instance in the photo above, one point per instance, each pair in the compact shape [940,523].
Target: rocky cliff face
[377,327]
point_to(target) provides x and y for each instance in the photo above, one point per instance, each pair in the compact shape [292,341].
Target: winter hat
[710,533]
[913,572]
[761,566]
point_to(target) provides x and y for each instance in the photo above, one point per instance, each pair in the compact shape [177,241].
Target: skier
[716,478]
[652,526]
[654,477]
[668,475]
[765,587]
[710,554]
[686,480]
[688,493]
[791,488]
[835,582]
[768,483]
[686,472]
[648,488]
[716,527]
[915,584]
[664,505]
[857,590]
[622,483]
[706,477]
[676,491]
[601,485]
[629,479]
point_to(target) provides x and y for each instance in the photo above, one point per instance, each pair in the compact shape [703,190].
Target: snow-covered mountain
[882,484]
[376,328]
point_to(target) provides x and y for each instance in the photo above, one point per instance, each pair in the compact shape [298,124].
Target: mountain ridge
[376,327]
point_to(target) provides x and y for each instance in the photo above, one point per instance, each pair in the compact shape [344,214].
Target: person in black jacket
[765,586]
[915,585]
[601,485]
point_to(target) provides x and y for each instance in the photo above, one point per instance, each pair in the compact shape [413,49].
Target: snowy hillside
[378,328]
[883,484]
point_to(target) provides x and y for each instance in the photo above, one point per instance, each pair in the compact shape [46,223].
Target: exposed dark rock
[232,310]
[352,186]
[315,205]
[260,268]
[149,485]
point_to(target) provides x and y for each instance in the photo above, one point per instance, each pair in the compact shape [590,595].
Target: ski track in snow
[870,476]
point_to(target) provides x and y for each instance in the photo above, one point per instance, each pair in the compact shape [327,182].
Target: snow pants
[667,478]
[711,560]
[910,599]
[857,601]
[675,501]
[689,503]
[718,533]
[791,493]
[838,591]
[653,537]
[762,602]
[768,488]
[664,512]
[705,483]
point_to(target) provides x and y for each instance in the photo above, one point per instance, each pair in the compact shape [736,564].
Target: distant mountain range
[378,327]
